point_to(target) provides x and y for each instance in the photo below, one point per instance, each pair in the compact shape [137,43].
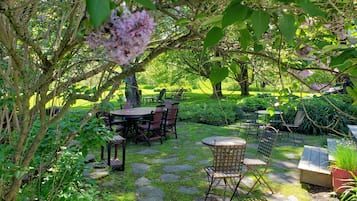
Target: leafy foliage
[345,156]
[209,113]
[350,194]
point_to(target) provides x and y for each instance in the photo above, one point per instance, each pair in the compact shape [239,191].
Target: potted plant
[345,162]
[350,192]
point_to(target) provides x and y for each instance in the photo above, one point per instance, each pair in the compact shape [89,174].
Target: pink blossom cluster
[123,37]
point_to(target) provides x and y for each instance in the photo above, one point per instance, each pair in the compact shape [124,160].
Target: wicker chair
[259,165]
[227,165]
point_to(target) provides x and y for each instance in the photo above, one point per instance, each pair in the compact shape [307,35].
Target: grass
[188,150]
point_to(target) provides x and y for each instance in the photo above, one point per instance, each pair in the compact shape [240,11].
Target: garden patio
[174,170]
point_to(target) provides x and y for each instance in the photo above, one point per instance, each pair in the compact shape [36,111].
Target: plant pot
[339,177]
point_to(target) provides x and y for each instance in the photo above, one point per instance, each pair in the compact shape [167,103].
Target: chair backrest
[267,143]
[179,93]
[156,121]
[171,115]
[299,118]
[168,102]
[228,158]
[161,94]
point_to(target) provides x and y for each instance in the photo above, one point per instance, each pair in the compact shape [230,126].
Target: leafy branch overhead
[289,28]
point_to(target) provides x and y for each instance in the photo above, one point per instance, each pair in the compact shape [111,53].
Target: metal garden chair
[258,166]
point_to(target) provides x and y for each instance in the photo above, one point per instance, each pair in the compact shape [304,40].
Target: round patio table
[223,140]
[276,122]
[133,113]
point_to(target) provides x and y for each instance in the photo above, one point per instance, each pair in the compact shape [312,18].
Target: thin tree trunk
[244,82]
[132,93]
[217,91]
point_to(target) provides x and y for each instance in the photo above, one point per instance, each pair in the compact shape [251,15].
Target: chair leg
[236,188]
[209,188]
[259,179]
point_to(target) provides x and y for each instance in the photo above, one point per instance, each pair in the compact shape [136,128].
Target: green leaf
[213,36]
[147,4]
[343,61]
[218,74]
[99,11]
[311,8]
[353,93]
[260,22]
[214,20]
[234,68]
[244,38]
[235,12]
[182,22]
[258,47]
[287,27]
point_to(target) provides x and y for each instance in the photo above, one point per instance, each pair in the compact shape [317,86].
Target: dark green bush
[253,103]
[209,113]
[324,114]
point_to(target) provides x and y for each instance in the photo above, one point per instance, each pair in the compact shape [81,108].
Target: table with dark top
[132,115]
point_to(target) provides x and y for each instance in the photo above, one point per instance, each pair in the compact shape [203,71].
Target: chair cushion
[211,172]
[253,162]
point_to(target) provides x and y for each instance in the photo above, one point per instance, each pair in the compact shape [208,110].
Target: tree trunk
[244,80]
[217,91]
[132,93]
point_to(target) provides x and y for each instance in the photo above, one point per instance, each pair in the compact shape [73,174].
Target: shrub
[324,114]
[209,113]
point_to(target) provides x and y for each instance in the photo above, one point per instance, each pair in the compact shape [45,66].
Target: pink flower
[123,37]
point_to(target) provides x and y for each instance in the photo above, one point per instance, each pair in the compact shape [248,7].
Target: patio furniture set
[261,118]
[229,160]
[138,124]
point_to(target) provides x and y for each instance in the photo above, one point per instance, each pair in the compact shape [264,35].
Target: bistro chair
[171,119]
[227,165]
[178,95]
[152,128]
[292,128]
[250,124]
[258,166]
[161,96]
[113,125]
[116,141]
